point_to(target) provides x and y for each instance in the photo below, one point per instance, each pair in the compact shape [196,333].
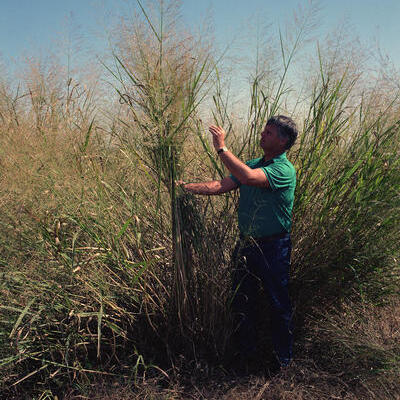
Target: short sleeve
[280,175]
[250,164]
[236,180]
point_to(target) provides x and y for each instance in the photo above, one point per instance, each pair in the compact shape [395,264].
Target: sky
[29,27]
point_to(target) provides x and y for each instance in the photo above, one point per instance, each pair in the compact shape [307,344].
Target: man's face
[270,139]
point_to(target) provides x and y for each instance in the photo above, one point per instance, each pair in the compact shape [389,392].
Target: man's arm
[245,174]
[209,188]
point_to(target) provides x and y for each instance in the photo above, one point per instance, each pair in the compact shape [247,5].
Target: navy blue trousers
[267,263]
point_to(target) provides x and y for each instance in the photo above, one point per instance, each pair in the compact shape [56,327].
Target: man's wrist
[222,149]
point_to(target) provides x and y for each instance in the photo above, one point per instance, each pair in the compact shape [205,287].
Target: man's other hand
[180,183]
[184,186]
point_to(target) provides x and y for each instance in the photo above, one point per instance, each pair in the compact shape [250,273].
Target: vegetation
[116,284]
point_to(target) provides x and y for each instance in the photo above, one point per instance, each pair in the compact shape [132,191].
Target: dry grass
[348,370]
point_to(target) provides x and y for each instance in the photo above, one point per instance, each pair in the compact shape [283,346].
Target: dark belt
[264,239]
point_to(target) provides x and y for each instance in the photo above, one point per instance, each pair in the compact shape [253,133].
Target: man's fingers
[216,130]
[215,135]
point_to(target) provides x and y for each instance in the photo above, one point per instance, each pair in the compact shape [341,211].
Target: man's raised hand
[218,134]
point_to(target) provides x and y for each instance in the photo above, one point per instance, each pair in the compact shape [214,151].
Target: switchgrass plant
[41,266]
[353,219]
[108,246]
[162,79]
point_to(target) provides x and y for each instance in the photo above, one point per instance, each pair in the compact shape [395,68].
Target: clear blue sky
[27,26]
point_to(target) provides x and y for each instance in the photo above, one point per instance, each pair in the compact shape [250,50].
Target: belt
[264,238]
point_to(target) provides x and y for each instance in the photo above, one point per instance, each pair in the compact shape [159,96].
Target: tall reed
[162,79]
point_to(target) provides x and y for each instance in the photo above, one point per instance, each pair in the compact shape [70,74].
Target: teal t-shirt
[268,211]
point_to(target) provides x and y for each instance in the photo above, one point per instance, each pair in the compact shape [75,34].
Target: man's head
[279,134]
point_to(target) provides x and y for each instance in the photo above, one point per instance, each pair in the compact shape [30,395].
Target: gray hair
[287,128]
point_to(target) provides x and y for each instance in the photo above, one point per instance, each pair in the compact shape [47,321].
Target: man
[267,186]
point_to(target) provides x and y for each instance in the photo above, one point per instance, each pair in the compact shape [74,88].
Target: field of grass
[116,284]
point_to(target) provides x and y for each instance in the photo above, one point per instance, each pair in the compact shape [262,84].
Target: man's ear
[284,141]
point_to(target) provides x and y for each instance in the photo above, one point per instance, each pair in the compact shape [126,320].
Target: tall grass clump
[103,258]
[346,212]
[54,295]
[66,275]
[348,192]
[162,76]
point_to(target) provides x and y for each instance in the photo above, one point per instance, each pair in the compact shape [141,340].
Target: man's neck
[270,155]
